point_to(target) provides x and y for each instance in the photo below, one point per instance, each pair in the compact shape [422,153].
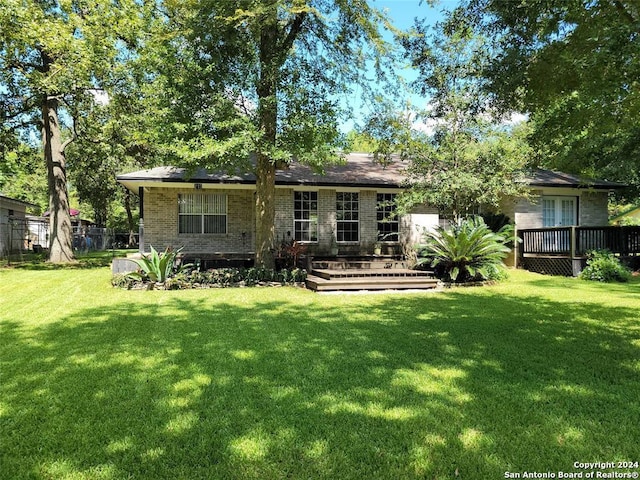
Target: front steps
[375,273]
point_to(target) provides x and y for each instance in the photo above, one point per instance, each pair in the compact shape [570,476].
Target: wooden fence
[563,250]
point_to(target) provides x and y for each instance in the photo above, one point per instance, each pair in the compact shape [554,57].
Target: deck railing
[575,242]
[563,250]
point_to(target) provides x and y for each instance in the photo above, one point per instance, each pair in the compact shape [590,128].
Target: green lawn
[260,383]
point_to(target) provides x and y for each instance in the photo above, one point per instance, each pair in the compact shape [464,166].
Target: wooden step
[370,283]
[371,273]
[357,264]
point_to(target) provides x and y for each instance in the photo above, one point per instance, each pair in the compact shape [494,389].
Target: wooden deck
[366,274]
[563,250]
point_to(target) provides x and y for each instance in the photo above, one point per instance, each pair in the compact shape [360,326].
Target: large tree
[53,55]
[574,66]
[259,84]
[468,157]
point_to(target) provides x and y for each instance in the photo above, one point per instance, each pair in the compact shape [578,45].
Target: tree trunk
[265,212]
[265,166]
[60,229]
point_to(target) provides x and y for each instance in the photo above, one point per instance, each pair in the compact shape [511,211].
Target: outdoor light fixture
[197,186]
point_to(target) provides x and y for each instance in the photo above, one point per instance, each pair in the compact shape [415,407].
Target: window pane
[568,217]
[388,223]
[202,213]
[190,224]
[305,214]
[215,224]
[548,213]
[214,204]
[188,203]
[347,216]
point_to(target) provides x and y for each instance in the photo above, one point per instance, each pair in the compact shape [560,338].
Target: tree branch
[294,27]
[624,12]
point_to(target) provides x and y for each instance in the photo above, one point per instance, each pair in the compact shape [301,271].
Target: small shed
[13,224]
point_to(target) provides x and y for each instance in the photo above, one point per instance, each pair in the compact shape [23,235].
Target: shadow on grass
[93,259]
[409,387]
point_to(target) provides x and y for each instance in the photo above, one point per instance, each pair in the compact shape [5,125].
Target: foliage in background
[573,65]
[624,214]
[265,86]
[360,142]
[467,157]
[23,174]
[54,58]
[467,251]
[604,266]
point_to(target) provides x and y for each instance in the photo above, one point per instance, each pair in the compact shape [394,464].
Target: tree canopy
[255,85]
[53,57]
[574,66]
[469,158]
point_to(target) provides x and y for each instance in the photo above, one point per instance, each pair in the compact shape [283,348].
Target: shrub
[232,277]
[122,280]
[467,252]
[604,266]
[156,267]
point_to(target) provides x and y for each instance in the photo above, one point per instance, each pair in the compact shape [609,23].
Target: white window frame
[209,205]
[311,221]
[558,208]
[347,212]
[387,207]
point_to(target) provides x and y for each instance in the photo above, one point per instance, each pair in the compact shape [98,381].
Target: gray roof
[549,178]
[15,200]
[360,170]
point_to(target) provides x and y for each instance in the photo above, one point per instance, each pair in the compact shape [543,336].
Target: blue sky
[402,12]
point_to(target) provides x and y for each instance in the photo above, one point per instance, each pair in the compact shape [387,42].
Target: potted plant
[377,248]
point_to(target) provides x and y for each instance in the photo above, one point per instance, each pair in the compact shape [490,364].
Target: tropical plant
[467,251]
[604,266]
[157,267]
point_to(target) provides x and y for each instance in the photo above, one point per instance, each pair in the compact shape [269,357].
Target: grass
[259,383]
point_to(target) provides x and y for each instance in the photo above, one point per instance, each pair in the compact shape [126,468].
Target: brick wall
[527,213]
[161,223]
[594,209]
[284,214]
[327,225]
[161,219]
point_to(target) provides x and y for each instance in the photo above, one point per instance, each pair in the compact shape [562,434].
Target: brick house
[348,206]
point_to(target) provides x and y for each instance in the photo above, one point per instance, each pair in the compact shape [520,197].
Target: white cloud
[101,97]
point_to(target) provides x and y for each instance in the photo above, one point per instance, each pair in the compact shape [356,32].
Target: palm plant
[467,251]
[156,267]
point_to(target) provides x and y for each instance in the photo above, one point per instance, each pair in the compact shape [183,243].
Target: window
[388,224]
[202,213]
[347,216]
[305,216]
[559,211]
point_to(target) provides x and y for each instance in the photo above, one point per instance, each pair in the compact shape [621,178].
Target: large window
[202,213]
[559,211]
[388,224]
[305,216]
[347,215]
